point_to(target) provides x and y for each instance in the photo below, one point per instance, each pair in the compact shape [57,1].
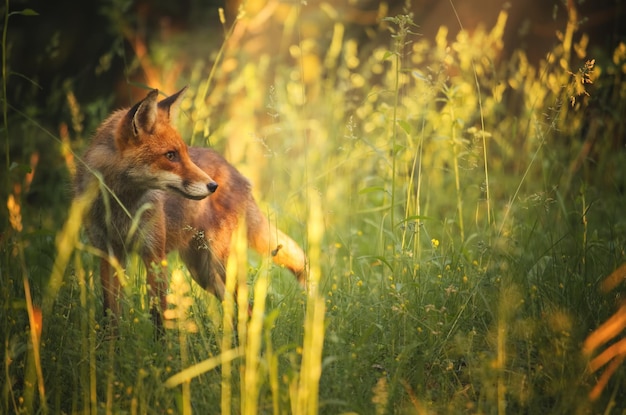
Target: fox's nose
[212,187]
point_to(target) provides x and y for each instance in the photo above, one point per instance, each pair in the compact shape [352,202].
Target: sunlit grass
[455,245]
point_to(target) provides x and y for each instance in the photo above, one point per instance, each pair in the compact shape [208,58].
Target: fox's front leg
[111,288]
[157,285]
[153,257]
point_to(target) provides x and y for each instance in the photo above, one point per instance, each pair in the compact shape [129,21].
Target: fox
[161,195]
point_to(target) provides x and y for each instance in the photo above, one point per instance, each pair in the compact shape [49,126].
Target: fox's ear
[170,104]
[144,114]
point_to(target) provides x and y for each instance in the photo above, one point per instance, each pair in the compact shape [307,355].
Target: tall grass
[454,242]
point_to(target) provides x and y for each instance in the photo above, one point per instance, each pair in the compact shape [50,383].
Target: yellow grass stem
[272,365]
[186,386]
[66,242]
[311,369]
[33,364]
[500,364]
[228,331]
[206,365]
[90,399]
[179,289]
[394,133]
[239,254]
[457,175]
[307,400]
[509,298]
[251,378]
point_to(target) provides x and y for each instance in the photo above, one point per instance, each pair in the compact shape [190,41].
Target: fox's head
[156,155]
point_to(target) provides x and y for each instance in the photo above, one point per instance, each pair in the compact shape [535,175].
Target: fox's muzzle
[195,191]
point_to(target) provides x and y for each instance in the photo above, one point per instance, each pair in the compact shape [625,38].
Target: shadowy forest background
[455,170]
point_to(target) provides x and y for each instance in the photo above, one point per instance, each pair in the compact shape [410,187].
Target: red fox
[162,195]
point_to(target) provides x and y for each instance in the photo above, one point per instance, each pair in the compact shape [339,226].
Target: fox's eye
[171,155]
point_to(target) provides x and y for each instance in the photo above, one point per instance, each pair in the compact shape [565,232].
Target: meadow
[460,212]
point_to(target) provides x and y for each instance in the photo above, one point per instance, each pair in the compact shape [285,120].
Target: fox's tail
[265,238]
